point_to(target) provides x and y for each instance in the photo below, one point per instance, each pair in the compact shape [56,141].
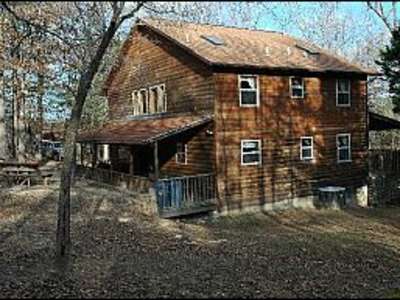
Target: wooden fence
[185,195]
[135,183]
[384,177]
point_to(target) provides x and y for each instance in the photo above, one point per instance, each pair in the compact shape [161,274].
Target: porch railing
[190,193]
[131,182]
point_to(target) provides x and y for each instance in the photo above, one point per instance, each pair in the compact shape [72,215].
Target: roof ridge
[213,25]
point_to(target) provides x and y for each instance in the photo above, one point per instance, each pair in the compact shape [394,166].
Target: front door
[142,161]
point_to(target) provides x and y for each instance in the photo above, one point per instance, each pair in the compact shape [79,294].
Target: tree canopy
[390,63]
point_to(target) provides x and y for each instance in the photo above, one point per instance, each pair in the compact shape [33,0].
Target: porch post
[94,155]
[156,167]
[131,161]
[81,152]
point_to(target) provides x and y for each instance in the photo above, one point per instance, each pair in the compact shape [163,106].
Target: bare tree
[388,12]
[112,16]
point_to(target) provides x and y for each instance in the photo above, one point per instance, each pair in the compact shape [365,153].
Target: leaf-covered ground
[120,251]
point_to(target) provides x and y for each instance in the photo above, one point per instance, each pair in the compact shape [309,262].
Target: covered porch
[141,155]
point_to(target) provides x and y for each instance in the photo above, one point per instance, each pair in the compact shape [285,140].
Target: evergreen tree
[390,63]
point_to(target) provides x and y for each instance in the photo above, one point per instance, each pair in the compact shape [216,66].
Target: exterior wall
[200,153]
[279,122]
[152,60]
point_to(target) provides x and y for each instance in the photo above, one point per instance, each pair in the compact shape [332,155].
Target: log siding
[279,122]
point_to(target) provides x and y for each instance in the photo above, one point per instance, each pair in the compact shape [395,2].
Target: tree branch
[378,10]
[31,24]
[131,13]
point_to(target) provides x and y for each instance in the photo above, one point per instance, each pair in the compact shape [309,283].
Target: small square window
[251,152]
[306,148]
[248,90]
[296,87]
[181,153]
[343,94]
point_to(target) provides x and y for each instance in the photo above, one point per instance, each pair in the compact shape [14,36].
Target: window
[343,144]
[162,98]
[306,148]
[149,101]
[181,153]
[135,103]
[251,152]
[153,97]
[158,99]
[248,90]
[296,87]
[343,92]
[143,101]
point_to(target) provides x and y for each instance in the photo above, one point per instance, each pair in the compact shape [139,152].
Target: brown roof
[247,48]
[380,122]
[142,130]
[251,48]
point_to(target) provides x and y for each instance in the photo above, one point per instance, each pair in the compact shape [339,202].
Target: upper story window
[343,94]
[296,87]
[306,148]
[343,145]
[248,90]
[251,152]
[181,153]
[149,101]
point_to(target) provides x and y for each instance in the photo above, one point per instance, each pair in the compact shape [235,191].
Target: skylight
[308,49]
[213,40]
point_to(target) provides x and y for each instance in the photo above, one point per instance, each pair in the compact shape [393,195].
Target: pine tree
[390,63]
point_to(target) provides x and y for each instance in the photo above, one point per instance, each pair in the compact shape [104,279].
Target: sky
[355,8]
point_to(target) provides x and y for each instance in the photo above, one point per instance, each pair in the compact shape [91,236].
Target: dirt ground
[119,251]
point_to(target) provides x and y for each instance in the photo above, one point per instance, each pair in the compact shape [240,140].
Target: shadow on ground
[119,251]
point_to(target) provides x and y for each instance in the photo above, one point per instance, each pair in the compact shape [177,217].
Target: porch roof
[380,122]
[142,131]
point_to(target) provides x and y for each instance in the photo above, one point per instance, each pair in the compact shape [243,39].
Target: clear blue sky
[356,8]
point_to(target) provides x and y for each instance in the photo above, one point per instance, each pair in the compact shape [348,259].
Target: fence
[384,177]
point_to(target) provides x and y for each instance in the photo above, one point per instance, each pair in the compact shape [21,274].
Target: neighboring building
[271,117]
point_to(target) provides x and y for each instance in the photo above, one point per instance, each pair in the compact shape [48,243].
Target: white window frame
[347,92]
[257,90]
[185,151]
[340,148]
[152,88]
[135,102]
[306,147]
[259,152]
[161,87]
[302,87]
[146,102]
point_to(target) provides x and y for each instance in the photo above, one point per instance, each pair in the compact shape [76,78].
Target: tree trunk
[3,125]
[63,223]
[39,129]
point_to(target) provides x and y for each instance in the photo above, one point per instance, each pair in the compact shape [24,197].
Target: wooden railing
[191,193]
[131,182]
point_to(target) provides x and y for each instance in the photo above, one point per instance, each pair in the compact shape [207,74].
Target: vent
[213,40]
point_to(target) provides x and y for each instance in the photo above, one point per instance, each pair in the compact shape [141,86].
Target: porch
[141,155]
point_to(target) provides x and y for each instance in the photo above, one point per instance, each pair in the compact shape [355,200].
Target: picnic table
[19,175]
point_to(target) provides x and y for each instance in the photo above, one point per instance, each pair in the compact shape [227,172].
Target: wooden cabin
[234,118]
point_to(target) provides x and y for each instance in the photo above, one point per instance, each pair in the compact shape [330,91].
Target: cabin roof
[242,47]
[142,130]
